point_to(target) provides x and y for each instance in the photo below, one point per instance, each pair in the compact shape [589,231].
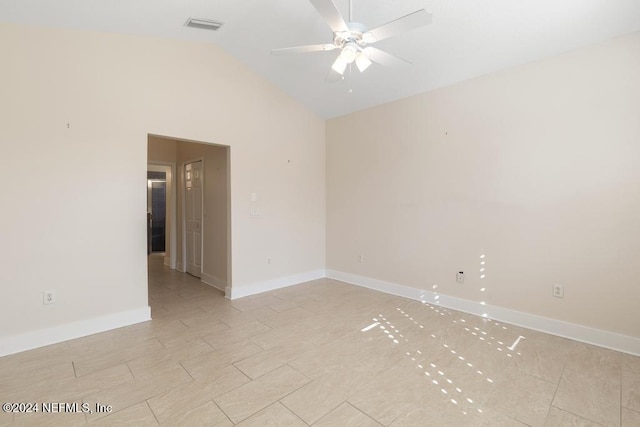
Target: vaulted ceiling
[467,38]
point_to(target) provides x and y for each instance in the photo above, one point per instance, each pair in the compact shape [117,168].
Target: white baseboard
[611,340]
[68,331]
[213,281]
[269,285]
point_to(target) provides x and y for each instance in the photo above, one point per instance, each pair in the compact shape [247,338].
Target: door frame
[172,228]
[183,207]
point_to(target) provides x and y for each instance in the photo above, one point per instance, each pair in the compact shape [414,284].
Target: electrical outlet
[49,297]
[460,277]
[558,291]
[268,260]
[360,258]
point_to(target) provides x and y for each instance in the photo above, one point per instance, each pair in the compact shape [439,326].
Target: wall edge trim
[213,281]
[67,331]
[269,285]
[585,334]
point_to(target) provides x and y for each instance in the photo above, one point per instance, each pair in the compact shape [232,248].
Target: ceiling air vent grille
[204,24]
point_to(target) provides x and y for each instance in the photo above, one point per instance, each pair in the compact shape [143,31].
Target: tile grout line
[152,413]
[564,368]
[187,371]
[221,410]
[130,371]
[579,416]
[278,400]
[621,379]
[292,411]
[369,416]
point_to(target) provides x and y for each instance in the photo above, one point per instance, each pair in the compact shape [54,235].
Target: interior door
[193,216]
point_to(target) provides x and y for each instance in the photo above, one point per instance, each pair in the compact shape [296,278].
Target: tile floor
[322,353]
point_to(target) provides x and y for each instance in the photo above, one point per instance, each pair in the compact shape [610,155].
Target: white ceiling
[467,38]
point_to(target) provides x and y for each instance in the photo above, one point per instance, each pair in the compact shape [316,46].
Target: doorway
[157,210]
[161,211]
[201,188]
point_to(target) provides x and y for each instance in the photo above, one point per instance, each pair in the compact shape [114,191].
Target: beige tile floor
[322,353]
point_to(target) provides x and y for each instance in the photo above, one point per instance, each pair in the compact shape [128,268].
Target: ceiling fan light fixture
[349,53]
[339,65]
[362,61]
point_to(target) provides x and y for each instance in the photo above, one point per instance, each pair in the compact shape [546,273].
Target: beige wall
[535,167]
[114,90]
[162,149]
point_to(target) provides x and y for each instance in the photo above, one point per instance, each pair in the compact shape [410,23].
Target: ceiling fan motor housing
[355,35]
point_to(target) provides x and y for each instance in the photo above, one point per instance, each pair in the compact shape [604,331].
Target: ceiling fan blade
[330,13]
[384,58]
[400,25]
[303,49]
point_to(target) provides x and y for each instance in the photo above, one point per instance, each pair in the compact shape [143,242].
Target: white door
[193,216]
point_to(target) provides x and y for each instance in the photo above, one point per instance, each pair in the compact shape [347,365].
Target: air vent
[204,24]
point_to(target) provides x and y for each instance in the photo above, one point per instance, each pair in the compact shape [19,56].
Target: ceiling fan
[353,39]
